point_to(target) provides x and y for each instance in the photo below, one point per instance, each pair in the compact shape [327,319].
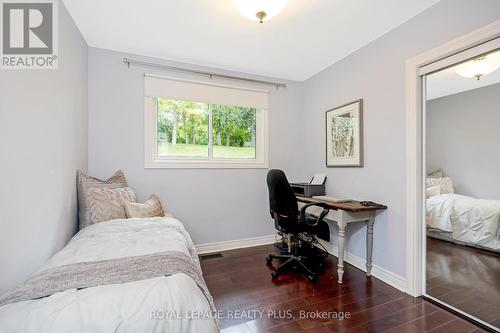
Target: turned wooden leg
[369,246]
[340,269]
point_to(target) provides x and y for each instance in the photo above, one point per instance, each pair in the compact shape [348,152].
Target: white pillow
[433,191]
[445,183]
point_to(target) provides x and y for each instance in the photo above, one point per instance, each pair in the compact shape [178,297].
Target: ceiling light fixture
[260,10]
[479,67]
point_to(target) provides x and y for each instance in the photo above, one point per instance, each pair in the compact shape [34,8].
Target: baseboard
[235,244]
[380,273]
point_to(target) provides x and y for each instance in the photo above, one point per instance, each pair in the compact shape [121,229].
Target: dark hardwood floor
[240,280]
[465,277]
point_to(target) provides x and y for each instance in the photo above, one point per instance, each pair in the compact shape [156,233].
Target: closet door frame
[453,52]
[458,50]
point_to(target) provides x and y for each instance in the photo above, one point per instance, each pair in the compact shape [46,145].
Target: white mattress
[127,307]
[466,219]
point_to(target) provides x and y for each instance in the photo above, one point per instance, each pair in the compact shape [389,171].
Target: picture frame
[344,135]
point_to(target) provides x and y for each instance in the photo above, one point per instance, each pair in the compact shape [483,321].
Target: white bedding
[466,219]
[139,306]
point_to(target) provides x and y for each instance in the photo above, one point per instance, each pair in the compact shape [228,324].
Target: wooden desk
[343,214]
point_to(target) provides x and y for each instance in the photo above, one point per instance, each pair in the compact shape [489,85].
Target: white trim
[380,273]
[235,244]
[414,166]
[423,175]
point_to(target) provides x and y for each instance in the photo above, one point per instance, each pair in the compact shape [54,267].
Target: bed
[464,220]
[130,275]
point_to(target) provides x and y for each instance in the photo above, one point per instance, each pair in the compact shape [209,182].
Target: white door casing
[415,230]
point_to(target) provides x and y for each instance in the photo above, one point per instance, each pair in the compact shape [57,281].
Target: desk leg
[340,269]
[369,245]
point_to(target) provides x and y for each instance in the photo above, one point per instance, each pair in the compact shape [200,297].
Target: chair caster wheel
[312,278]
[269,260]
[274,275]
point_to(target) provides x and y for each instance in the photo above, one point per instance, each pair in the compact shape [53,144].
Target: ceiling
[308,36]
[448,82]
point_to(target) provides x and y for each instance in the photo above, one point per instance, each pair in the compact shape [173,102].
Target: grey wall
[214,204]
[463,135]
[376,73]
[43,140]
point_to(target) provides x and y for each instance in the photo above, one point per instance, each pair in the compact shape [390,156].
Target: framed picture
[344,135]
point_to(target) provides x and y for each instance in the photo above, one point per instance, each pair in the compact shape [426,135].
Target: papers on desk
[332,199]
[318,179]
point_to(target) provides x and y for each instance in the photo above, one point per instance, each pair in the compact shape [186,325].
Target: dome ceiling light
[479,67]
[260,10]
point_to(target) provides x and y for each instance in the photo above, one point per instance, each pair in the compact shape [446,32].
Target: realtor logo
[29,34]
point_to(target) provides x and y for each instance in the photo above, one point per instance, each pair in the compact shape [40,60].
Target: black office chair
[287,219]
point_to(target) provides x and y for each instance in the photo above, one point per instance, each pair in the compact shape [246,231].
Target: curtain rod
[191,71]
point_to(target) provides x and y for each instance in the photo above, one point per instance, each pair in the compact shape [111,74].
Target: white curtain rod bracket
[210,75]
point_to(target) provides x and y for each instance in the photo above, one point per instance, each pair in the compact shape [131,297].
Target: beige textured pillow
[151,208]
[86,182]
[109,204]
[445,183]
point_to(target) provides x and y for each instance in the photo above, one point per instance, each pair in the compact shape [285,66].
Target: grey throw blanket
[112,271]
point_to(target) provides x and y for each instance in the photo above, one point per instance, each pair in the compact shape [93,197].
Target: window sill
[206,164]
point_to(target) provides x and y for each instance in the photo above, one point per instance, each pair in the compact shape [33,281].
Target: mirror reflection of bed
[463,192]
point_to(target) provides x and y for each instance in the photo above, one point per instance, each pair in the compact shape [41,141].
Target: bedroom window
[191,124]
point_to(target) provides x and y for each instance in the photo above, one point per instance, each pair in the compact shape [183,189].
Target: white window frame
[153,161]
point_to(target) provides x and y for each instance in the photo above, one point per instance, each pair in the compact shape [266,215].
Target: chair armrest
[321,216]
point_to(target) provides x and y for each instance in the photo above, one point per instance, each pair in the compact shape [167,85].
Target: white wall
[376,73]
[43,140]
[215,205]
[463,134]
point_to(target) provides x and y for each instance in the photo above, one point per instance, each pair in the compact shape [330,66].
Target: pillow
[151,208]
[109,204]
[85,183]
[436,174]
[445,184]
[433,191]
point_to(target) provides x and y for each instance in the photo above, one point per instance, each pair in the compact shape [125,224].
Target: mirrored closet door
[462,187]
